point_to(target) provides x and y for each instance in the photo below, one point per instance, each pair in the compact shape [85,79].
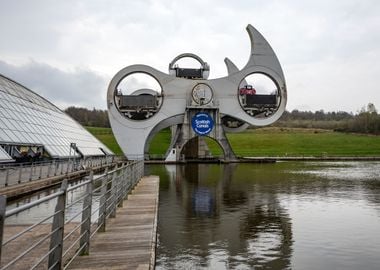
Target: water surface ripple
[287,215]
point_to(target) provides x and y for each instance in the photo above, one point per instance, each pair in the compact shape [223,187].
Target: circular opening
[188,62]
[259,95]
[189,66]
[138,96]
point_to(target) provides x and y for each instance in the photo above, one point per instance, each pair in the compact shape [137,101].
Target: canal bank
[265,159]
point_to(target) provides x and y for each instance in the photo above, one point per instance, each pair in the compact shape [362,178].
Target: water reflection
[218,223]
[288,215]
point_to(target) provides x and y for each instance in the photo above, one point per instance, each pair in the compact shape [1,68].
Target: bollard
[85,229]
[56,239]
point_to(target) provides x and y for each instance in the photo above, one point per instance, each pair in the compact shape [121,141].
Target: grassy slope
[105,135]
[160,142]
[272,142]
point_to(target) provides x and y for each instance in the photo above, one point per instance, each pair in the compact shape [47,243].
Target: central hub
[202,94]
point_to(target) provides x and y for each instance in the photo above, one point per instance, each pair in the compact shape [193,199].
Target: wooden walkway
[130,239]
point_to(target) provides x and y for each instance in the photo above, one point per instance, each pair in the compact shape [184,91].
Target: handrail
[17,173]
[24,207]
[70,236]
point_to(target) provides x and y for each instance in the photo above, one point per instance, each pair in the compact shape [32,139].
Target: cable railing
[14,174]
[77,212]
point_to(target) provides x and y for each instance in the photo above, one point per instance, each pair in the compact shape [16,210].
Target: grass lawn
[271,142]
[303,142]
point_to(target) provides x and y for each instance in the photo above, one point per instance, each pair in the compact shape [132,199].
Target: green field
[272,142]
[105,135]
[303,142]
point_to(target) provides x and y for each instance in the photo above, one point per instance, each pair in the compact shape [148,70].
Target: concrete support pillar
[187,142]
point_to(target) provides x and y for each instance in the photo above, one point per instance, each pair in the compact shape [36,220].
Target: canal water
[286,215]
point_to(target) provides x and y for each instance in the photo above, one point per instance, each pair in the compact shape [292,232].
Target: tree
[86,117]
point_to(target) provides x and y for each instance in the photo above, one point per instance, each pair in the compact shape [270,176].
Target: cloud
[80,87]
[327,48]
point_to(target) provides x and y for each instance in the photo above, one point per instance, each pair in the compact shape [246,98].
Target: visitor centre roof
[4,157]
[28,119]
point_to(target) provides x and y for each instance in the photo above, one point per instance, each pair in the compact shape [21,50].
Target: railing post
[6,177]
[85,230]
[124,179]
[48,170]
[135,173]
[56,239]
[61,163]
[40,176]
[103,204]
[68,166]
[132,175]
[3,205]
[141,168]
[121,188]
[31,171]
[19,174]
[125,184]
[56,165]
[113,195]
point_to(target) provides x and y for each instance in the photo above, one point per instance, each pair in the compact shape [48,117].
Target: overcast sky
[68,51]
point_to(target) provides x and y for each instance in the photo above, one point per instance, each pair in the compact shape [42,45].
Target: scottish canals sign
[202,123]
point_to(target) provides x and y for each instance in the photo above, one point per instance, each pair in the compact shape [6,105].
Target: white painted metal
[132,134]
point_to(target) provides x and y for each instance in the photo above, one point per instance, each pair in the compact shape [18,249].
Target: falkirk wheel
[193,106]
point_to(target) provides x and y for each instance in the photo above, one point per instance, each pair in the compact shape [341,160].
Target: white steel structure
[197,106]
[29,123]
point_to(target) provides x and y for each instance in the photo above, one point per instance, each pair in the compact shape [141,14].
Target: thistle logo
[202,123]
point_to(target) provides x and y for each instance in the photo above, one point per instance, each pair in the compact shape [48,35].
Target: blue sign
[202,123]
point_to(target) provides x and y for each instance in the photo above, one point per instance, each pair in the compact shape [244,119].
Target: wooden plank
[130,238]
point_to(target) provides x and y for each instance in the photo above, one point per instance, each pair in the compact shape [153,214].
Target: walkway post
[122,188]
[113,195]
[56,239]
[103,203]
[126,180]
[85,230]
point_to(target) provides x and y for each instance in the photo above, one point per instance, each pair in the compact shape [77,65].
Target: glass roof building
[30,123]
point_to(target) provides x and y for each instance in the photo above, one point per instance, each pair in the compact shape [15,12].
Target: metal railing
[77,212]
[14,174]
